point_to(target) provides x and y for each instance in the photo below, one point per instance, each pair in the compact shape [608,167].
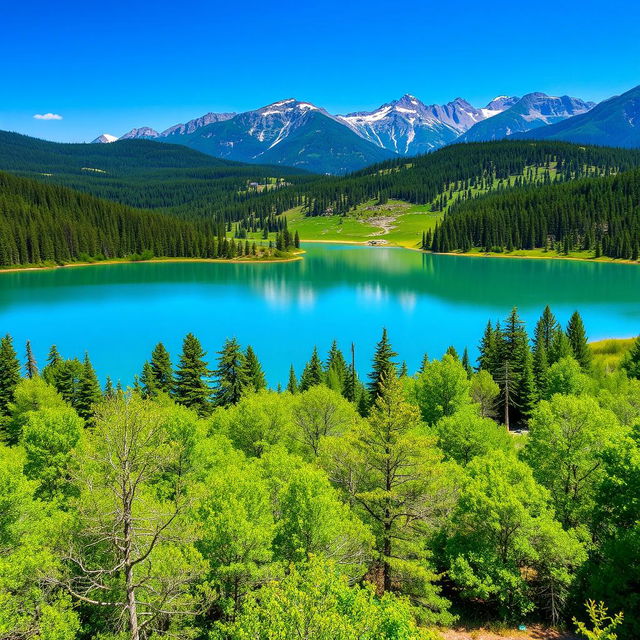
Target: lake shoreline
[297,257]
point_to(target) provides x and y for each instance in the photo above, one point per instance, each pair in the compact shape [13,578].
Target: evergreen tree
[161,369]
[253,370]
[31,367]
[489,350]
[404,370]
[451,351]
[231,375]
[336,369]
[292,384]
[383,366]
[109,391]
[312,374]
[148,381]
[631,361]
[190,387]
[89,392]
[578,339]
[9,373]
[466,363]
[54,357]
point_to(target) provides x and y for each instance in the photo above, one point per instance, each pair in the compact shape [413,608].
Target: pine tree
[9,373]
[424,363]
[231,374]
[489,348]
[31,367]
[161,368]
[451,351]
[54,357]
[292,384]
[579,342]
[148,381]
[109,391]
[89,392]
[466,362]
[190,387]
[383,366]
[631,361]
[312,373]
[253,370]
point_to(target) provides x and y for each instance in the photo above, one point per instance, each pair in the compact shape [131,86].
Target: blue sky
[110,66]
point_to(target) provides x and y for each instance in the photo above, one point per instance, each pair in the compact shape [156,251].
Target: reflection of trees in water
[374,273]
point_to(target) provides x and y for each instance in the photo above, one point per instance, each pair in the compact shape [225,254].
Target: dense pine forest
[199,503]
[601,215]
[54,225]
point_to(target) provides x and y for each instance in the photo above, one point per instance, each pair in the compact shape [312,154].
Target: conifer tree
[292,384]
[190,387]
[109,391]
[404,370]
[579,342]
[89,392]
[231,374]
[383,366]
[488,359]
[631,361]
[312,373]
[424,363]
[148,381]
[9,373]
[31,367]
[54,357]
[466,363]
[253,370]
[451,351]
[161,368]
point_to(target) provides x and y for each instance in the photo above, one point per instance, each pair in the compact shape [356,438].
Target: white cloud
[47,116]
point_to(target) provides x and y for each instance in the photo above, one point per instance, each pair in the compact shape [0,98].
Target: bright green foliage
[566,435]
[312,373]
[566,377]
[234,509]
[89,392]
[383,366]
[257,422]
[31,602]
[161,368]
[394,475]
[48,437]
[631,362]
[253,370]
[502,526]
[313,521]
[315,601]
[484,392]
[190,387]
[441,389]
[579,342]
[601,623]
[320,412]
[30,395]
[465,435]
[9,373]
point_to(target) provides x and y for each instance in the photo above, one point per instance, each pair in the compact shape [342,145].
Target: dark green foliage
[292,384]
[253,370]
[31,366]
[631,362]
[579,342]
[89,392]
[384,366]
[65,376]
[148,381]
[9,372]
[190,387]
[161,368]
[232,375]
[312,373]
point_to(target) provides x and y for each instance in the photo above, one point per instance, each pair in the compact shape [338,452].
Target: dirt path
[532,633]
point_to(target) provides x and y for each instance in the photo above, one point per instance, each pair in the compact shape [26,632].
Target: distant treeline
[48,223]
[593,214]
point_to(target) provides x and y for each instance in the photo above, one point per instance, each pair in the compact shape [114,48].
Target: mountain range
[300,134]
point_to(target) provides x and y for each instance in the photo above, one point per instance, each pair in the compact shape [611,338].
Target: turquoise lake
[118,313]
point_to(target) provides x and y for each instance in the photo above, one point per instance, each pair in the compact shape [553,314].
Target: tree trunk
[128,571]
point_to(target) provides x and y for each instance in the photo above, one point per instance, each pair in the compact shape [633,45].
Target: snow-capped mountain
[408,127]
[530,112]
[104,138]
[287,132]
[142,132]
[196,123]
[301,134]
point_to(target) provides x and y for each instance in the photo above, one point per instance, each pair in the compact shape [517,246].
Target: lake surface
[427,302]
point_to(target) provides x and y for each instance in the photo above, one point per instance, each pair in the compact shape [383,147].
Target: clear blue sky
[110,66]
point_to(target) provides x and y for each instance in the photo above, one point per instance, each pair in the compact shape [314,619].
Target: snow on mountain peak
[104,138]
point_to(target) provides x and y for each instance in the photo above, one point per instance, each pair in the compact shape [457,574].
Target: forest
[200,503]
